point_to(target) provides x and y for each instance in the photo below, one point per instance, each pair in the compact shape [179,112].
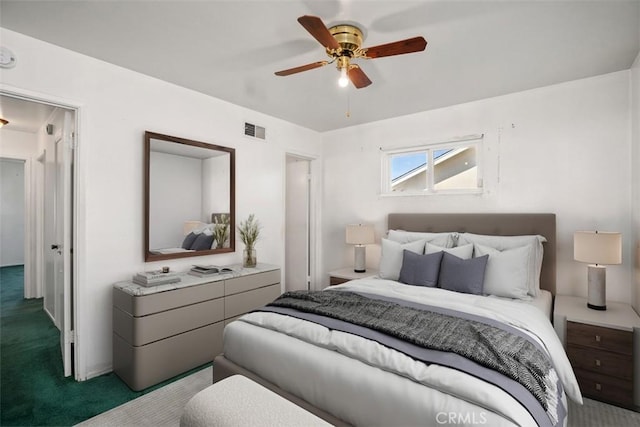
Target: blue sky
[403,163]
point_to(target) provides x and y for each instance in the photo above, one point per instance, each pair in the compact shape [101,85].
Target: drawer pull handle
[598,386]
[598,338]
[598,362]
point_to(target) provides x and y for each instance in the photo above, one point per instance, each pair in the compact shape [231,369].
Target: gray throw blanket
[495,348]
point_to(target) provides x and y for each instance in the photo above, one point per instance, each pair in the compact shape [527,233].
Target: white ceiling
[24,116]
[231,49]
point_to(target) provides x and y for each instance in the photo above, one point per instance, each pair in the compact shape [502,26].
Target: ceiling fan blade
[319,31]
[401,47]
[358,77]
[301,68]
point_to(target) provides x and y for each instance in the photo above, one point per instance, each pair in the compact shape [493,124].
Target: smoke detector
[7,58]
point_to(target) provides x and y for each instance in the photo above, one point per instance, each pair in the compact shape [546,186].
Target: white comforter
[451,396]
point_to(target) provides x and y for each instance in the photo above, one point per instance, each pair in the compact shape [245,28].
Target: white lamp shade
[597,247]
[360,234]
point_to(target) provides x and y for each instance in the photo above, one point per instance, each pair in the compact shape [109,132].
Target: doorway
[41,134]
[298,224]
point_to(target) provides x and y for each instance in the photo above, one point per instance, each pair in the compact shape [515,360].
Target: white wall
[116,107]
[562,149]
[216,186]
[16,144]
[175,196]
[12,208]
[24,146]
[635,180]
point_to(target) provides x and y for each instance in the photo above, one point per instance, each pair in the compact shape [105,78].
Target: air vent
[255,131]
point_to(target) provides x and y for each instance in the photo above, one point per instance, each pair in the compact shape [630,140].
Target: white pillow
[507,272]
[391,257]
[510,242]
[446,240]
[464,252]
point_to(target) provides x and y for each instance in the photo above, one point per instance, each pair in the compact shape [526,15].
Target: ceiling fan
[343,43]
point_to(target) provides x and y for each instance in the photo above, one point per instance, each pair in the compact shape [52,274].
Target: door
[297,228]
[63,199]
[51,213]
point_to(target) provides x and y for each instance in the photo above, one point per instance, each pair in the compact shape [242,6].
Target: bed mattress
[365,383]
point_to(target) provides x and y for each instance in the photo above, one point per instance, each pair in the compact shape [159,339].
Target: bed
[350,378]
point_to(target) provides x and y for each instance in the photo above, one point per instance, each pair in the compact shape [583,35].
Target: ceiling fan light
[3,122]
[343,81]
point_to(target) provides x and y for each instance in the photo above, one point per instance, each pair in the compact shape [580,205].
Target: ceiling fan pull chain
[348,114]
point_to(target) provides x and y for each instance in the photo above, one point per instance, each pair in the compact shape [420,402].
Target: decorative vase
[249,258]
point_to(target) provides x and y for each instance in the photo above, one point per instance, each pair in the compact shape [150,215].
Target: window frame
[386,155]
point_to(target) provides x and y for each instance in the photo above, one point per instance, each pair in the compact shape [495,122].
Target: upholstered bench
[239,401]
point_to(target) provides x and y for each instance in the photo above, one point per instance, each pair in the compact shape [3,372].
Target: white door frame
[314,215]
[297,261]
[78,224]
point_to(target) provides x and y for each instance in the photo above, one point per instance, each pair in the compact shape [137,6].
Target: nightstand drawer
[605,388]
[599,337]
[601,361]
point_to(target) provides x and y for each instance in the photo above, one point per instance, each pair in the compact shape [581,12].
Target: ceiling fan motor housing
[348,37]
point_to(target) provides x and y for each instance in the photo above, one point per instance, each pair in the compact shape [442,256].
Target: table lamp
[359,235]
[597,248]
[189,226]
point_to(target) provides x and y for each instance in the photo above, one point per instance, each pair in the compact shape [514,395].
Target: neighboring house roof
[441,157]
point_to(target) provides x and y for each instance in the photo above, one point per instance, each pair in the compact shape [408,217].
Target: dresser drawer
[143,330]
[144,305]
[146,365]
[605,388]
[601,361]
[253,281]
[599,337]
[238,304]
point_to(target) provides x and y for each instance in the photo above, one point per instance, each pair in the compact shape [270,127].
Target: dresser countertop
[187,279]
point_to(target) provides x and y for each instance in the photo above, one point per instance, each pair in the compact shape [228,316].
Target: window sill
[477,192]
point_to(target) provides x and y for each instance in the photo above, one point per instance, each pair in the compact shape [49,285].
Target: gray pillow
[202,242]
[462,275]
[188,240]
[420,270]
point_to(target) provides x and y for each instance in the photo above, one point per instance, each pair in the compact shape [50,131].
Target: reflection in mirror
[189,198]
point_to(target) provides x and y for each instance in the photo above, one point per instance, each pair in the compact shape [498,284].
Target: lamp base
[359,265]
[597,291]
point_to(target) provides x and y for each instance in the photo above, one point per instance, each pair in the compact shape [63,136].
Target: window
[444,167]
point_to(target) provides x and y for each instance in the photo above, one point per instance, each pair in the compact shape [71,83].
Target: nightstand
[342,275]
[600,347]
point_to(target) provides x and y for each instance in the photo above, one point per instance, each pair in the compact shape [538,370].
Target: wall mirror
[189,198]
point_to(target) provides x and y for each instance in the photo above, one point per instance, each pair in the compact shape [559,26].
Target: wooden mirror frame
[148,255]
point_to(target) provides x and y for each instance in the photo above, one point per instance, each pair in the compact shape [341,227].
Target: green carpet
[33,389]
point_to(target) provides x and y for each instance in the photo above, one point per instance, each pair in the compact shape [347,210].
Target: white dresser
[162,331]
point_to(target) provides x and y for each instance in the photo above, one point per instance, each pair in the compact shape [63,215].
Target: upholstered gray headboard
[500,224]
